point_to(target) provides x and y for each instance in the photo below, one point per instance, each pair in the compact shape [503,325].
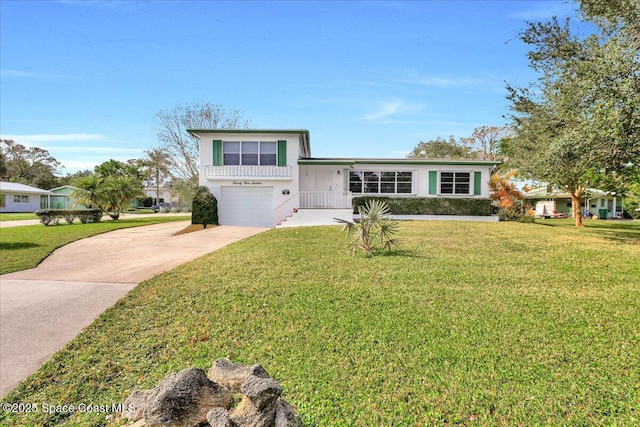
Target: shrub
[374,228]
[205,208]
[47,216]
[431,205]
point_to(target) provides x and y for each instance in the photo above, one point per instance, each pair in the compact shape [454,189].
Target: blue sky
[84,79]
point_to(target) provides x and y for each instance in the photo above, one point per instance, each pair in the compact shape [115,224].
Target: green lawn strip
[469,324]
[25,247]
[17,216]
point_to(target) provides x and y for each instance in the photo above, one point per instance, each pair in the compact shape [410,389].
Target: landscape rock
[286,415]
[258,405]
[184,399]
[135,404]
[219,417]
[233,375]
[190,398]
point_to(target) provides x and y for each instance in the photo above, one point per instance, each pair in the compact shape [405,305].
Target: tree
[205,207]
[181,147]
[485,141]
[503,191]
[156,166]
[580,122]
[439,148]
[111,188]
[31,166]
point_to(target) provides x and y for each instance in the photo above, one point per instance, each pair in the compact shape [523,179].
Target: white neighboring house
[16,197]
[165,194]
[260,177]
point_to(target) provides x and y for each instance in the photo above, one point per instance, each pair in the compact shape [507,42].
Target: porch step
[311,217]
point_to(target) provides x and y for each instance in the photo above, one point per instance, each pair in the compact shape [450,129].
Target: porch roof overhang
[556,193]
[382,161]
[305,140]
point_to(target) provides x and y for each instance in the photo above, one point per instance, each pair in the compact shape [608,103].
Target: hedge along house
[261,177]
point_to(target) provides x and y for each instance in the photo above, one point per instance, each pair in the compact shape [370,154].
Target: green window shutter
[217,152]
[433,183]
[477,183]
[282,153]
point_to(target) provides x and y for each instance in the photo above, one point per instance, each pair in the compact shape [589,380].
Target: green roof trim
[462,162]
[249,131]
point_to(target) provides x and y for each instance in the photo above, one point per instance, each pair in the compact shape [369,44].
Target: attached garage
[246,206]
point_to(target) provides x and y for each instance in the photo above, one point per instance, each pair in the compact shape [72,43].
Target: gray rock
[286,415]
[184,399]
[258,405]
[135,404]
[232,375]
[219,417]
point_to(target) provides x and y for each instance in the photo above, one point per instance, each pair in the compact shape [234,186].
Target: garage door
[249,206]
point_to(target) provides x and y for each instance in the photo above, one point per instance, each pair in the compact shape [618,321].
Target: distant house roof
[14,187]
[557,193]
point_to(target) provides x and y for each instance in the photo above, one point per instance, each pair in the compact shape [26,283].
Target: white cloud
[439,81]
[393,108]
[5,73]
[539,11]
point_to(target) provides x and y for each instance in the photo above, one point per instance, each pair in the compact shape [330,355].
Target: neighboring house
[16,197]
[260,177]
[165,194]
[594,202]
[62,199]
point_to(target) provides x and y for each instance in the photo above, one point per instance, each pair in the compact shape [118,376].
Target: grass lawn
[469,324]
[25,247]
[17,216]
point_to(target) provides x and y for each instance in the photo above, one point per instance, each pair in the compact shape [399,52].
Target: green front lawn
[25,247]
[469,324]
[17,216]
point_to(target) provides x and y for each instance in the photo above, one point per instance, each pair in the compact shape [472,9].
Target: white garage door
[249,206]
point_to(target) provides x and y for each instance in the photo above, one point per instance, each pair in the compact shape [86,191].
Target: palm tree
[158,164]
[374,228]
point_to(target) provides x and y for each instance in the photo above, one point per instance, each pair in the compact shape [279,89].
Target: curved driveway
[41,309]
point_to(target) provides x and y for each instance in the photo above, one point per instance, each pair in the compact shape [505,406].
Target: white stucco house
[15,197]
[260,177]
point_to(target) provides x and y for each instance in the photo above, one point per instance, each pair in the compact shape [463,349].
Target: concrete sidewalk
[41,309]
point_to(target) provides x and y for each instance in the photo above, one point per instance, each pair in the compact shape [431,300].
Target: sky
[85,79]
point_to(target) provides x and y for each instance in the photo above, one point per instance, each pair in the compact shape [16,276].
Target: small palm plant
[374,229]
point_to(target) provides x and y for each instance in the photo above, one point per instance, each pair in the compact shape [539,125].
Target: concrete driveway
[41,309]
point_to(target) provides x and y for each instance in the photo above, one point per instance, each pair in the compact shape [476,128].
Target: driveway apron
[41,309]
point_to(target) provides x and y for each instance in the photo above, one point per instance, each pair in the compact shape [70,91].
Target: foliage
[431,205]
[205,208]
[181,147]
[69,215]
[450,333]
[506,195]
[580,123]
[373,229]
[156,168]
[111,188]
[485,141]
[26,246]
[440,149]
[31,166]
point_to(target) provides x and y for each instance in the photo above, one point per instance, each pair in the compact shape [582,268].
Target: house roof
[304,135]
[557,193]
[63,188]
[15,187]
[389,161]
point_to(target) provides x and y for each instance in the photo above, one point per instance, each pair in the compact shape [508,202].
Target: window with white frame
[251,153]
[455,183]
[381,182]
[20,198]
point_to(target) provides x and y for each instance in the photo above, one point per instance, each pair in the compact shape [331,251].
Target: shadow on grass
[400,253]
[627,232]
[17,245]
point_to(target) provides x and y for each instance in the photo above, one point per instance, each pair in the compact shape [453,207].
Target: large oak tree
[579,123]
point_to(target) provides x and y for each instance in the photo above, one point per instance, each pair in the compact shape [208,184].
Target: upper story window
[249,153]
[378,182]
[455,183]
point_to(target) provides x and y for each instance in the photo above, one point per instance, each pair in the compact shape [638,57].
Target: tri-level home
[261,177]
